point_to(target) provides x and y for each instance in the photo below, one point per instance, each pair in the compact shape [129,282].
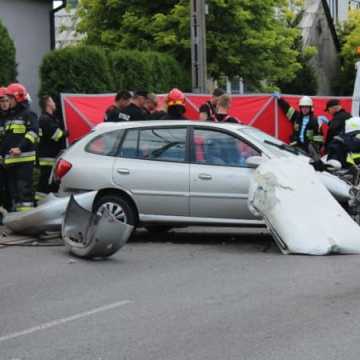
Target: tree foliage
[7,57]
[249,38]
[350,39]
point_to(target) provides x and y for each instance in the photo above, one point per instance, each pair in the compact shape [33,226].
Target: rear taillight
[62,168]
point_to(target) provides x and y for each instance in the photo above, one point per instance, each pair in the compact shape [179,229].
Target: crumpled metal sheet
[89,235]
[300,212]
[48,216]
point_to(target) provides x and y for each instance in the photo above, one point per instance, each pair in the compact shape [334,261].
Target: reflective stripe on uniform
[352,157]
[16,128]
[23,157]
[47,161]
[16,122]
[32,136]
[57,135]
[318,138]
[290,112]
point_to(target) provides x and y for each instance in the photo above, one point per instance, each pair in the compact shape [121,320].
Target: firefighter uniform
[306,128]
[5,200]
[52,141]
[345,147]
[20,131]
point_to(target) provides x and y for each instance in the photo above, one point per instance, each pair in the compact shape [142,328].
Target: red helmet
[18,91]
[175,97]
[2,92]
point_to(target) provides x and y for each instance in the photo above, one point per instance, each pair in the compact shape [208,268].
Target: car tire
[156,229]
[120,207]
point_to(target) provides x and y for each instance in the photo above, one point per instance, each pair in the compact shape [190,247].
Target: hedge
[7,58]
[88,69]
[80,69]
[152,71]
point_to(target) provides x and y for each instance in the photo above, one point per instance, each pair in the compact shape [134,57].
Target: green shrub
[152,71]
[80,69]
[7,57]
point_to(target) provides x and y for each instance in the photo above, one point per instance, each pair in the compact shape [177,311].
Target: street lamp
[198,46]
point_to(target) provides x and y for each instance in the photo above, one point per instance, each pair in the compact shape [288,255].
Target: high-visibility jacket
[3,116]
[52,139]
[312,132]
[20,131]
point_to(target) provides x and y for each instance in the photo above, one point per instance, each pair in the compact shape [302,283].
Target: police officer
[136,110]
[122,100]
[18,148]
[175,102]
[52,141]
[208,110]
[306,128]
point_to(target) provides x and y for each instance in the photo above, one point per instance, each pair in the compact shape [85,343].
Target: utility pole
[198,46]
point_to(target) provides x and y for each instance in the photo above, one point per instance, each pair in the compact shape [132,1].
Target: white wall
[28,22]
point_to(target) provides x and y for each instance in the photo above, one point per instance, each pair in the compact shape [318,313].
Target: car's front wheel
[117,206]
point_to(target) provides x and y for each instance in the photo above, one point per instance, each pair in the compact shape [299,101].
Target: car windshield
[273,144]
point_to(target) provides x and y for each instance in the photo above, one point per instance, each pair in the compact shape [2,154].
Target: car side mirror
[254,161]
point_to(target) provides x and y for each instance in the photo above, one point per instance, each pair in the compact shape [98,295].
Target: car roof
[151,123]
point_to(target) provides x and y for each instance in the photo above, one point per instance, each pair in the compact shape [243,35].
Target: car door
[219,176]
[153,165]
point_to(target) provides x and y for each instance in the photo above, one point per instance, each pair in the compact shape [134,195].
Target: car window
[166,144]
[105,144]
[211,147]
[129,148]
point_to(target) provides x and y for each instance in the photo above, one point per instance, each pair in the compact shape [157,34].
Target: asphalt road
[183,296]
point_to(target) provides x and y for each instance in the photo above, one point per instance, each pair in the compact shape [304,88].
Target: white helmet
[306,101]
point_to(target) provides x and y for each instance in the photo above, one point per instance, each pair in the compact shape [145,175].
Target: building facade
[29,23]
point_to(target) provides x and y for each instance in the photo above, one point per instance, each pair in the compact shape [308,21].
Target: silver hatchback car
[163,174]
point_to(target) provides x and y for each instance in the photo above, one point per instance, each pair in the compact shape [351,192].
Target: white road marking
[64,320]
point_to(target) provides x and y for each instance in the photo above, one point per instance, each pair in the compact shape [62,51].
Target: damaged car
[175,173]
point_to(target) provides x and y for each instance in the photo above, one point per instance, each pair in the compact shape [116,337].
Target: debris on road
[91,235]
[300,212]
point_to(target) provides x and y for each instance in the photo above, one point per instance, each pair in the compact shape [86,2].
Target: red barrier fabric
[83,112]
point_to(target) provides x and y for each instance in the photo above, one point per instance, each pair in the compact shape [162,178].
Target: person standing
[5,200]
[337,124]
[175,102]
[208,110]
[18,147]
[222,110]
[122,100]
[135,111]
[306,127]
[151,106]
[52,141]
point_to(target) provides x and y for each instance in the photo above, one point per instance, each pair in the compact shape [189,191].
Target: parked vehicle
[173,173]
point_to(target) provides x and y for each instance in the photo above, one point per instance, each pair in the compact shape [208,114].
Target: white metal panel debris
[299,210]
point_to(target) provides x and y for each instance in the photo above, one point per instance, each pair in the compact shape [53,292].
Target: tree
[7,57]
[249,38]
[350,39]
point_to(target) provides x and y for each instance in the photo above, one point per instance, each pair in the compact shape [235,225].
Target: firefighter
[5,201]
[175,102]
[122,100]
[337,124]
[208,110]
[52,141]
[18,148]
[306,128]
[345,147]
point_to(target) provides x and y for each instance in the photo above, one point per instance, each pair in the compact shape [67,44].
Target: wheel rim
[114,209]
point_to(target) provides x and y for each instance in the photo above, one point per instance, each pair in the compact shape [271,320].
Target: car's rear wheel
[156,229]
[117,206]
